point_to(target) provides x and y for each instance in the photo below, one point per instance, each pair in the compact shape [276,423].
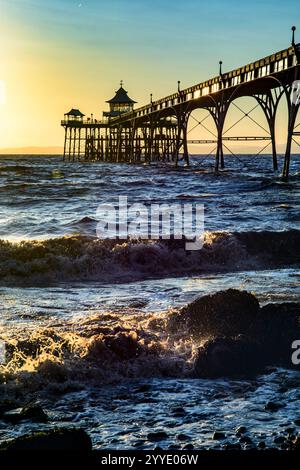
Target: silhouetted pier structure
[158,132]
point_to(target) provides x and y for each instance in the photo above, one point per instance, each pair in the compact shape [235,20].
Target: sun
[2,92]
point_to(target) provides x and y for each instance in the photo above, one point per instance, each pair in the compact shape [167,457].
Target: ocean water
[66,294]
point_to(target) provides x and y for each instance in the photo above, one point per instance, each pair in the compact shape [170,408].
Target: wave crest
[79,258]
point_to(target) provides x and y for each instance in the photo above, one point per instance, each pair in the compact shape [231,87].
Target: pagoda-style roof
[121,97]
[75,112]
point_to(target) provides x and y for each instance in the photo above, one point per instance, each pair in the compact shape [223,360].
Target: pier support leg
[293,111]
[269,104]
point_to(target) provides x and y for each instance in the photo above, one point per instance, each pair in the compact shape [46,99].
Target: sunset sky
[60,54]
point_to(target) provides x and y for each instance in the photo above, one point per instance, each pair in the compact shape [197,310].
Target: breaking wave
[80,258]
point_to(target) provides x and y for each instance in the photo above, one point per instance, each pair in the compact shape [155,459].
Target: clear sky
[58,54]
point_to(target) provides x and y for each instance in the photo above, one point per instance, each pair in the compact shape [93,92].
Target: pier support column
[219,115]
[293,111]
[269,104]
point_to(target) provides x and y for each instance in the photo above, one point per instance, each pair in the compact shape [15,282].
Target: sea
[66,295]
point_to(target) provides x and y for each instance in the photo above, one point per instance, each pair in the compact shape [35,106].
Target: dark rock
[143,388]
[231,446]
[178,412]
[30,412]
[182,437]
[296,443]
[241,430]
[228,313]
[218,435]
[52,371]
[297,422]
[265,334]
[6,406]
[75,440]
[283,322]
[290,430]
[261,445]
[272,406]
[245,440]
[188,447]
[228,357]
[279,440]
[157,436]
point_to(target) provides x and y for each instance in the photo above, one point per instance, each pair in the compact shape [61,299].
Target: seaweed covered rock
[227,313]
[75,440]
[229,357]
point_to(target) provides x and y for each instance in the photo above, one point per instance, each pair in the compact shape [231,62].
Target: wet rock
[124,345]
[182,437]
[245,440]
[30,412]
[231,446]
[283,322]
[241,430]
[261,445]
[75,440]
[178,412]
[52,371]
[228,357]
[297,422]
[157,436]
[273,406]
[296,443]
[218,435]
[228,313]
[6,406]
[267,332]
[143,389]
[290,430]
[279,440]
[188,447]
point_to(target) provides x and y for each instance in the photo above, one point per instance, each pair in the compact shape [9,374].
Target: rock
[279,440]
[296,443]
[272,406]
[124,345]
[52,371]
[157,436]
[188,447]
[6,406]
[283,326]
[241,430]
[245,440]
[30,412]
[182,437]
[228,313]
[267,332]
[178,412]
[218,435]
[297,422]
[231,446]
[261,445]
[290,430]
[142,389]
[228,357]
[75,440]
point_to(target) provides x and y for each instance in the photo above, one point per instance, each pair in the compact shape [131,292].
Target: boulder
[29,412]
[226,313]
[229,357]
[64,439]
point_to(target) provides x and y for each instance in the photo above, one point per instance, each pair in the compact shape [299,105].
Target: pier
[158,131]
